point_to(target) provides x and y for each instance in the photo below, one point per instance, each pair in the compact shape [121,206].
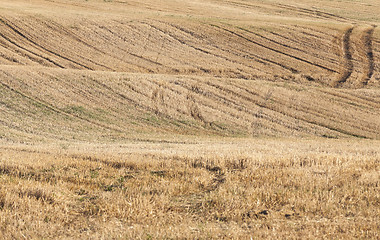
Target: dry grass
[100,106]
[229,189]
[231,68]
[189,119]
[271,40]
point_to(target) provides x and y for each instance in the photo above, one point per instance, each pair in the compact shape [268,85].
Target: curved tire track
[369,66]
[312,12]
[18,33]
[38,57]
[272,49]
[346,51]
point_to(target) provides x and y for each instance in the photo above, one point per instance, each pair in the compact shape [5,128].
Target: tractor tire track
[312,13]
[134,102]
[274,50]
[249,55]
[213,96]
[317,114]
[8,56]
[346,53]
[55,27]
[371,103]
[262,104]
[292,48]
[257,58]
[314,113]
[177,60]
[366,41]
[34,59]
[207,95]
[178,40]
[127,51]
[236,104]
[208,52]
[25,53]
[6,23]
[210,95]
[296,41]
[186,89]
[198,38]
[303,11]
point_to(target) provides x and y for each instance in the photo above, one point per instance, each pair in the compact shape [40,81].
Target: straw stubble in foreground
[229,190]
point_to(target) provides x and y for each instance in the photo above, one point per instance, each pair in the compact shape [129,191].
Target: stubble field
[189,119]
[234,189]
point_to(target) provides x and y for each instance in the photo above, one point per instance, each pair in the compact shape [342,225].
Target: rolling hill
[179,119]
[236,68]
[109,69]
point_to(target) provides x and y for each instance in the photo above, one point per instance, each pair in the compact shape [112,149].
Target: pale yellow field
[201,188]
[205,119]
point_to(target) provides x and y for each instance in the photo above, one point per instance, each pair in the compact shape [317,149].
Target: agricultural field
[205,119]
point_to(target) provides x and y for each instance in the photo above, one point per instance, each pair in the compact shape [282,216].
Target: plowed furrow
[316,112]
[241,102]
[275,50]
[147,63]
[122,95]
[165,49]
[322,53]
[297,51]
[227,54]
[206,103]
[317,116]
[182,42]
[275,115]
[41,47]
[368,102]
[312,13]
[186,43]
[33,56]
[229,108]
[55,27]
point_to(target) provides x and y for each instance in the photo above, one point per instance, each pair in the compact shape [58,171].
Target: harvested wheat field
[204,119]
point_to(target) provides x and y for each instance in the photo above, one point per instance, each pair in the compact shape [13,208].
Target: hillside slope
[99,105]
[96,70]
